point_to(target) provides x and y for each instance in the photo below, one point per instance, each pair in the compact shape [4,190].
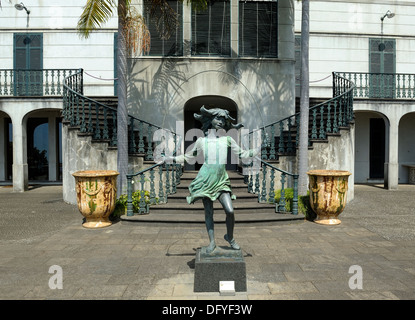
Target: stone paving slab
[299,261]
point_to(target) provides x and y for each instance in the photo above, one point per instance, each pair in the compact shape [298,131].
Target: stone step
[185,208]
[239,188]
[180,196]
[267,217]
[191,174]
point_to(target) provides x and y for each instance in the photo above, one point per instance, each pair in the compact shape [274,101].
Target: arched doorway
[193,106]
[6,147]
[38,148]
[406,148]
[44,155]
[370,146]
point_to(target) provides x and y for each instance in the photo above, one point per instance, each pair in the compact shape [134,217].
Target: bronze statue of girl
[212,181]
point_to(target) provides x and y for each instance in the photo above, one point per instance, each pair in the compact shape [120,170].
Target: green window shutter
[258,25]
[28,64]
[211,30]
[382,68]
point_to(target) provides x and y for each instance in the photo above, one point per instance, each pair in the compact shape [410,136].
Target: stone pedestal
[223,264]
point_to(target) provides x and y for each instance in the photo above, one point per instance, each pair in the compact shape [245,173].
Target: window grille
[211,30]
[258,25]
[173,46]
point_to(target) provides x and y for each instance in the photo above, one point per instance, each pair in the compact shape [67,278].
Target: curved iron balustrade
[100,121]
[325,118]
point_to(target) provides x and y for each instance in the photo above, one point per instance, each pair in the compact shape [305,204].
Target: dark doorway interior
[9,151]
[37,148]
[377,148]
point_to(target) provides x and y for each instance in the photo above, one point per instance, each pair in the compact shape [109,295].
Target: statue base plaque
[223,264]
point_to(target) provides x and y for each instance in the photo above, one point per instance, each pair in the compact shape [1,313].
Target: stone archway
[193,106]
[43,139]
[6,147]
[406,147]
[371,147]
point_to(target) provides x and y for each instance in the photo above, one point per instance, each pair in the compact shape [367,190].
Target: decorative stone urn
[96,192]
[328,191]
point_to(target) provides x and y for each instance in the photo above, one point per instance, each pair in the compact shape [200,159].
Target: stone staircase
[246,206]
[99,121]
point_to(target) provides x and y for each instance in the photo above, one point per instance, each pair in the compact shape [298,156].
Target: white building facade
[372,43]
[219,58]
[39,46]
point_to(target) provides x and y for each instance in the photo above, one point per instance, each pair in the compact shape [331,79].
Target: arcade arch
[406,148]
[6,148]
[371,132]
[43,145]
[20,121]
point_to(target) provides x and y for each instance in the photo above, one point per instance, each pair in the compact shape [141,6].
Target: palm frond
[163,16]
[137,35]
[94,15]
[0,4]
[198,5]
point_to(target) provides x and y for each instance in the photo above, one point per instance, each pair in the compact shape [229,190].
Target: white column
[52,153]
[286,35]
[234,28]
[392,166]
[20,168]
[187,29]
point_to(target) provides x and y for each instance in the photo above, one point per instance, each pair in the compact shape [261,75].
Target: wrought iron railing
[325,118]
[261,180]
[382,85]
[155,184]
[44,82]
[100,120]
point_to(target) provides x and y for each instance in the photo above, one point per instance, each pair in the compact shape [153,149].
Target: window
[173,46]
[382,62]
[211,30]
[28,64]
[258,22]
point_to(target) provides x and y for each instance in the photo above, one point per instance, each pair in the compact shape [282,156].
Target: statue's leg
[226,201]
[210,226]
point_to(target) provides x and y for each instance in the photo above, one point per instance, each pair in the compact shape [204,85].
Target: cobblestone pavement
[297,261]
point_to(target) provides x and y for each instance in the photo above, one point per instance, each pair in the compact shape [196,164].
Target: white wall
[339,33]
[262,90]
[62,45]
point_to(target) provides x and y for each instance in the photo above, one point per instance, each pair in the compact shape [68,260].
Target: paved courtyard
[370,255]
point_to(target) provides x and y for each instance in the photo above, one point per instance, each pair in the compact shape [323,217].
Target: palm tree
[304,100]
[132,36]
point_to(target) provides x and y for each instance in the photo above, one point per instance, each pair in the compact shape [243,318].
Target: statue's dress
[212,178]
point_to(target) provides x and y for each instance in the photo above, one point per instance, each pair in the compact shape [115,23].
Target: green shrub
[121,203]
[303,202]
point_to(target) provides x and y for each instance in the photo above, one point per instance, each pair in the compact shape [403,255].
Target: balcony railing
[34,83]
[382,85]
